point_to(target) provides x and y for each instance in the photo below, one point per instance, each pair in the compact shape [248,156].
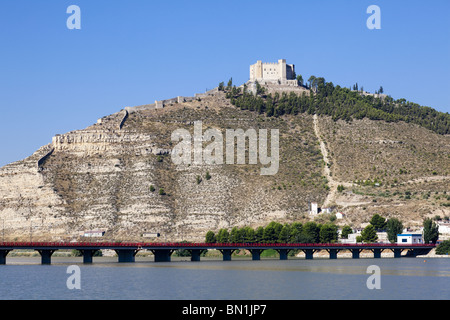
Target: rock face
[27,201]
[117,175]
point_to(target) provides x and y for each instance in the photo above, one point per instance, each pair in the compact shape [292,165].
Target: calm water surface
[294,279]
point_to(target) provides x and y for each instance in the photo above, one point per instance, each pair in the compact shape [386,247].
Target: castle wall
[159,104]
[125,117]
[272,71]
[45,157]
[290,70]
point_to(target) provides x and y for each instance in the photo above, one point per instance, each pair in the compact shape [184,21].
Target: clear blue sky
[54,80]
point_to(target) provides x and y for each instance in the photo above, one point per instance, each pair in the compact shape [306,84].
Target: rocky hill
[117,175]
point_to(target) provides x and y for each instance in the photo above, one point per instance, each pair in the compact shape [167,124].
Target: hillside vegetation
[340,103]
[384,156]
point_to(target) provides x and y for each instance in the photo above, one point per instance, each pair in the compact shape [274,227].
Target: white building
[382,237]
[94,233]
[340,215]
[273,72]
[313,208]
[409,238]
[150,235]
[350,239]
[444,227]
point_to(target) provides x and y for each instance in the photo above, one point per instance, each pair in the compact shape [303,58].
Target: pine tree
[393,227]
[346,230]
[369,234]
[378,222]
[285,234]
[430,231]
[210,237]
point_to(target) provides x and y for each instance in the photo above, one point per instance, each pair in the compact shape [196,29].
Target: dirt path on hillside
[428,179]
[331,197]
[332,183]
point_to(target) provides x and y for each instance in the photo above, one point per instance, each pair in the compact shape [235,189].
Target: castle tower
[282,67]
[256,71]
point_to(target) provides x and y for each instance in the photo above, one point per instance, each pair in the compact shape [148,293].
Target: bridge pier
[333,253]
[163,255]
[309,253]
[3,254]
[226,253]
[355,253]
[256,253]
[377,253]
[283,253]
[195,254]
[397,252]
[88,254]
[126,255]
[46,255]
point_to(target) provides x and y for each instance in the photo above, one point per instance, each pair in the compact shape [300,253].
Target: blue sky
[54,80]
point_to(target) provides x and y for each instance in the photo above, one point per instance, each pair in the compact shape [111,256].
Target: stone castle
[273,72]
[265,73]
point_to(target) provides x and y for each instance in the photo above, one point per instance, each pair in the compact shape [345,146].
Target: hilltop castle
[276,75]
[273,72]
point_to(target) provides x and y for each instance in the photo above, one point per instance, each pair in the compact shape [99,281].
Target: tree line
[275,232]
[311,232]
[325,98]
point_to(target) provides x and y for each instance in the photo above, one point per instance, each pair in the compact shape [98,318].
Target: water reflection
[389,266]
[404,278]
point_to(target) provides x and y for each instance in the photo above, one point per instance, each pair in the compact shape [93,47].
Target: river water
[213,279]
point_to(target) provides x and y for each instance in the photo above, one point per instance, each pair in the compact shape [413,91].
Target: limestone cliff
[102,177]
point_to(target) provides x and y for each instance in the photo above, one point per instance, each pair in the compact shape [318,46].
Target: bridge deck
[162,251]
[182,245]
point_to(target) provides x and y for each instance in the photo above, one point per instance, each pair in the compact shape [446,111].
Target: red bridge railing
[202,245]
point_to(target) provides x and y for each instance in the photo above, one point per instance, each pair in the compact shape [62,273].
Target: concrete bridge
[126,251]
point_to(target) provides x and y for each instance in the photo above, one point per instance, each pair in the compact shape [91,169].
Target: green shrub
[443,248]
